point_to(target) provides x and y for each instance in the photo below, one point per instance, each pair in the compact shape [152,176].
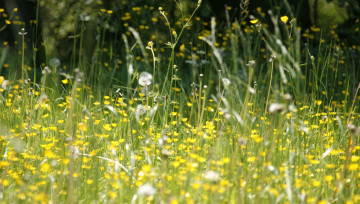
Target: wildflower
[355,158]
[74,151]
[2,79]
[287,97]
[45,167]
[212,176]
[4,84]
[65,81]
[146,190]
[272,58]
[43,98]
[131,69]
[241,141]
[84,17]
[46,71]
[165,153]
[22,32]
[276,108]
[54,62]
[250,159]
[226,82]
[352,128]
[107,127]
[353,167]
[150,45]
[140,110]
[145,79]
[182,48]
[284,19]
[254,21]
[318,102]
[328,178]
[251,63]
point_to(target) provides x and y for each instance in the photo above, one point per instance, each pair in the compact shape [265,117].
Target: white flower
[145,79]
[146,190]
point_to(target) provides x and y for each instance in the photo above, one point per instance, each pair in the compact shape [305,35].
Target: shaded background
[72,31]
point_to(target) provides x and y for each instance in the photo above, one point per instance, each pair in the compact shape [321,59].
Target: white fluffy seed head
[276,108]
[146,190]
[145,79]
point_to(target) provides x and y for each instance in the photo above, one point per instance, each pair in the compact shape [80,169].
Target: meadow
[179,109]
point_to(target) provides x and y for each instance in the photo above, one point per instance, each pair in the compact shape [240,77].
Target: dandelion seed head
[276,108]
[46,71]
[146,190]
[4,84]
[226,82]
[140,109]
[145,79]
[212,176]
[54,62]
[74,151]
[251,63]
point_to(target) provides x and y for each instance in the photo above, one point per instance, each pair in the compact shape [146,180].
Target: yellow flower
[182,48]
[107,127]
[251,159]
[318,102]
[353,167]
[328,178]
[316,183]
[89,181]
[2,79]
[45,167]
[284,19]
[355,158]
[254,21]
[65,81]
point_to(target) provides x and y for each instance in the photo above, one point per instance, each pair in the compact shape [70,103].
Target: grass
[239,113]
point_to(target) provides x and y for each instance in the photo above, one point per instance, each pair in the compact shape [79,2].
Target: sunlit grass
[233,114]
